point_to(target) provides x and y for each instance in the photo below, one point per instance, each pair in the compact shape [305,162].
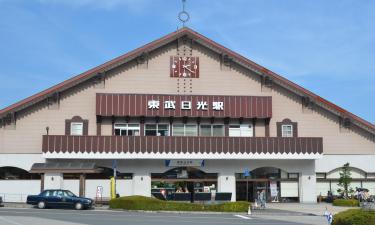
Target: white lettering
[202,105]
[170,104]
[186,105]
[153,104]
[218,106]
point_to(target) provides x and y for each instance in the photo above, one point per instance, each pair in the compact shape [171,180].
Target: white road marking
[8,221]
[243,217]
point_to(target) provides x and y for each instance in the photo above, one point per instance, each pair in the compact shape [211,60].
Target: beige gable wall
[27,138]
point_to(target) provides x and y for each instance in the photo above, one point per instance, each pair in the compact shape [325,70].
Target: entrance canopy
[65,167]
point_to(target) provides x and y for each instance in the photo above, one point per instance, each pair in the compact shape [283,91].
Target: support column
[53,181]
[307,183]
[142,184]
[82,185]
[226,182]
[42,182]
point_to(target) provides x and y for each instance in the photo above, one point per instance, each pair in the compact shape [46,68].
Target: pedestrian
[263,199]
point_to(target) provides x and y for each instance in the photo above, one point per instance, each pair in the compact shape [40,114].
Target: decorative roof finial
[183,16]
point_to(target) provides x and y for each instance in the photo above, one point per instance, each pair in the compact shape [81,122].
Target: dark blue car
[58,198]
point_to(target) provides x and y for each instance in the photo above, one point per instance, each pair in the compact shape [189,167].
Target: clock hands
[186,67]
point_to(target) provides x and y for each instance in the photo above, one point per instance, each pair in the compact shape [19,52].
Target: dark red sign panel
[183,105]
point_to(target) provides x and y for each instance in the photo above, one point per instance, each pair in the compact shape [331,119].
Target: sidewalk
[304,208]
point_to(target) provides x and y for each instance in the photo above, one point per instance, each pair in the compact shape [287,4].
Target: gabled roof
[262,71]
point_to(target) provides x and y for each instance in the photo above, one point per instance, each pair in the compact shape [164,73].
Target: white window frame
[157,128]
[74,124]
[212,129]
[196,125]
[121,127]
[241,131]
[283,134]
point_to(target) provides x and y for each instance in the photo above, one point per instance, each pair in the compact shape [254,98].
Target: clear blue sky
[327,47]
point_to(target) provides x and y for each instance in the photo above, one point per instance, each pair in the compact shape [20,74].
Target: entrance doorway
[279,186]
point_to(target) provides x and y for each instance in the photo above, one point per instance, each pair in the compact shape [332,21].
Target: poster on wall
[273,188]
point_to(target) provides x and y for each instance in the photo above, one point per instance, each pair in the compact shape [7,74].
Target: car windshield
[69,193]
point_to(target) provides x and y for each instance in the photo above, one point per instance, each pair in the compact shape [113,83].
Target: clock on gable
[184,67]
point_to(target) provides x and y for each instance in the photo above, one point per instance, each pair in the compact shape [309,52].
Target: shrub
[346,202]
[152,204]
[354,217]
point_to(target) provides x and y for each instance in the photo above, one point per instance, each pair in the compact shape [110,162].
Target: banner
[184,162]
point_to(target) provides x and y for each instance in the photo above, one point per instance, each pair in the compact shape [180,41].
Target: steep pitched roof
[205,42]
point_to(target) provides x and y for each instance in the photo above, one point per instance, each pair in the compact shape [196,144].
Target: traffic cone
[249,210]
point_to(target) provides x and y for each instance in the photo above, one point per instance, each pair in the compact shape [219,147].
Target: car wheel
[41,205]
[78,206]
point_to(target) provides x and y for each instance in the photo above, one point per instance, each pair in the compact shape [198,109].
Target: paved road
[9,216]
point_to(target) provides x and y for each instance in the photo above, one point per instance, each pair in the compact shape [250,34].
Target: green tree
[345,179]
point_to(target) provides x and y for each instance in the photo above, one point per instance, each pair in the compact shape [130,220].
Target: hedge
[152,204]
[354,217]
[346,202]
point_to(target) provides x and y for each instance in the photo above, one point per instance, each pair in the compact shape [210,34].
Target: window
[241,130]
[124,129]
[293,175]
[185,130]
[212,130]
[287,130]
[157,130]
[321,175]
[76,128]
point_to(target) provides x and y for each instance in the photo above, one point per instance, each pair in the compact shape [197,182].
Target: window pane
[123,132]
[133,126]
[178,130]
[163,130]
[150,127]
[234,131]
[150,132]
[117,131]
[120,125]
[205,130]
[287,131]
[246,130]
[191,130]
[217,130]
[76,128]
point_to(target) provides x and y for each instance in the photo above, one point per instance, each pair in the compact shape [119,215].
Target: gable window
[124,129]
[156,130]
[76,128]
[240,130]
[185,130]
[287,130]
[215,130]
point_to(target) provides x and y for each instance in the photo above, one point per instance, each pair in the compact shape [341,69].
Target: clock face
[184,67]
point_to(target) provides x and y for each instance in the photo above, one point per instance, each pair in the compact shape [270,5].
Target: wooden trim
[98,125]
[41,182]
[267,127]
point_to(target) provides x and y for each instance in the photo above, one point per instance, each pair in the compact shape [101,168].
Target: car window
[69,194]
[60,193]
[47,193]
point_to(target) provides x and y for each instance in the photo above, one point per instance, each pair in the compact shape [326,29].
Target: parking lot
[32,216]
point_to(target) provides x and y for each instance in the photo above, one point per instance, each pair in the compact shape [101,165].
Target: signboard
[99,192]
[273,189]
[184,162]
[246,172]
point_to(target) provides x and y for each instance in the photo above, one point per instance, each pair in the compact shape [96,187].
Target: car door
[57,199]
[67,200]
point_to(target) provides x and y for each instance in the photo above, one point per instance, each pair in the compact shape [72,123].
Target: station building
[182,111]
